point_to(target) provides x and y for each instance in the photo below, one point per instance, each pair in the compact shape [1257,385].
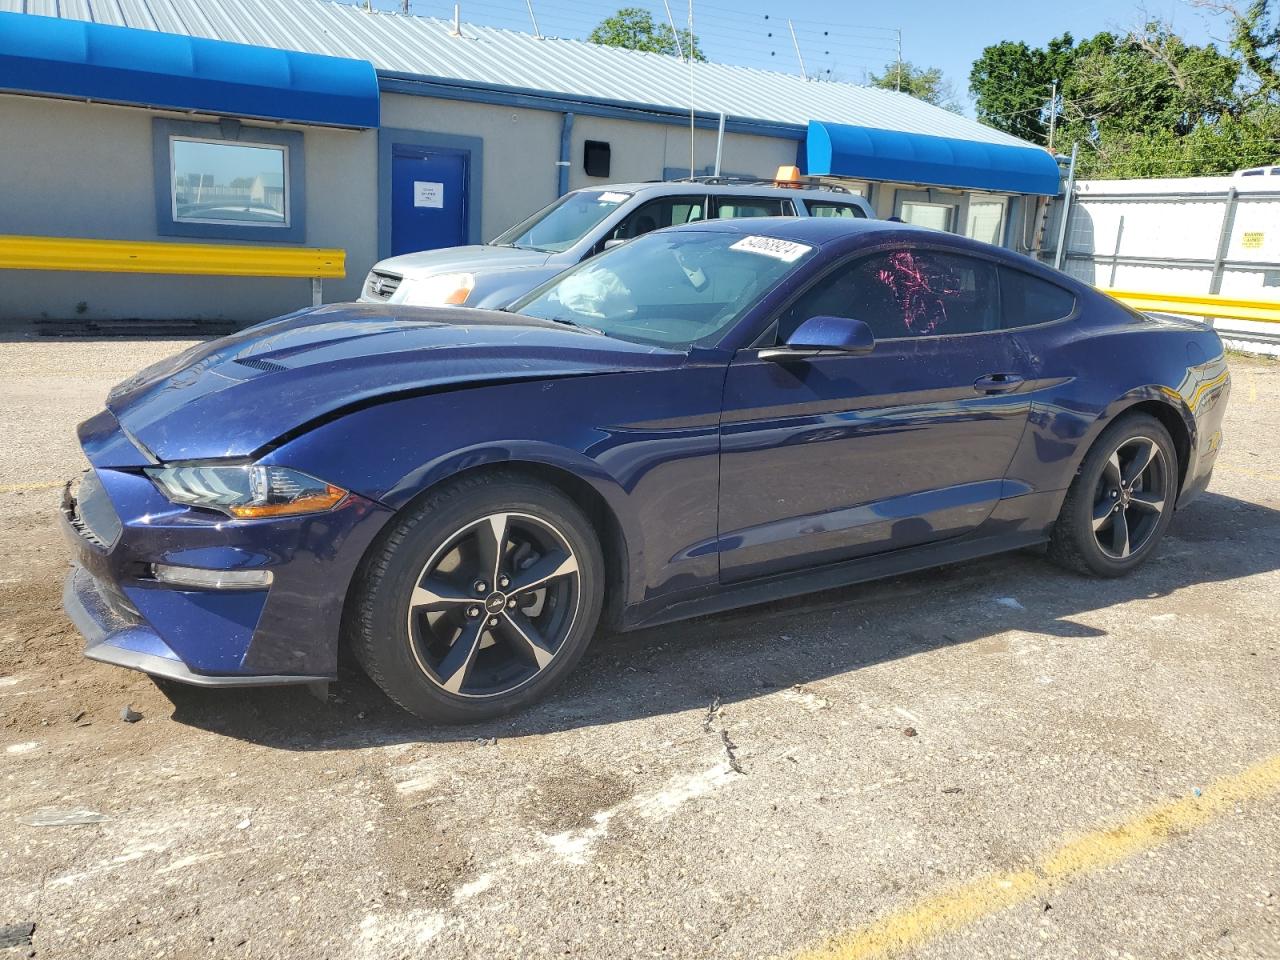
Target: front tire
[479,600]
[1121,501]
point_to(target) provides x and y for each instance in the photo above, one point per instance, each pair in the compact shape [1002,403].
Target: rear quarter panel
[1089,370]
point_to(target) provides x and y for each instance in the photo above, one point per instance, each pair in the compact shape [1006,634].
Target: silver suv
[581,224]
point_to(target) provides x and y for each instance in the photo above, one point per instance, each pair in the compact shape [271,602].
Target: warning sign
[1252,239]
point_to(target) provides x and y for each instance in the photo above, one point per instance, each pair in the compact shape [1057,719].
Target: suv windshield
[675,289]
[560,225]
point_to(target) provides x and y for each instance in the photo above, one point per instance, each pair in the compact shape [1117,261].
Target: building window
[219,182]
[986,221]
[228,181]
[935,215]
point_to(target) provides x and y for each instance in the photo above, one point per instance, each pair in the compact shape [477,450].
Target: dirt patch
[569,797]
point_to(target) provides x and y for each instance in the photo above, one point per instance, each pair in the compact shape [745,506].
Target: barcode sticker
[785,250]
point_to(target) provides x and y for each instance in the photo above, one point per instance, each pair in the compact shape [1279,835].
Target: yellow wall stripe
[1097,850]
[1201,305]
[207,259]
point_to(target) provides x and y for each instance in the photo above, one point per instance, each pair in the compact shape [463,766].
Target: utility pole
[1053,112]
[675,34]
[528,3]
[796,44]
[898,85]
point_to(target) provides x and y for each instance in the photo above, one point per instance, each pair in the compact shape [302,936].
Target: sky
[844,40]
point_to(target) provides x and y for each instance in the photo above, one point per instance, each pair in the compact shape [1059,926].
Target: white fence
[1218,235]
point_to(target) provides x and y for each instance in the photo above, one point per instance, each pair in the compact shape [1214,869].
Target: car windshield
[676,288]
[560,225]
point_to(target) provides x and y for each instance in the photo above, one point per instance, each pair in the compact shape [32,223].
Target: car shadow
[754,651]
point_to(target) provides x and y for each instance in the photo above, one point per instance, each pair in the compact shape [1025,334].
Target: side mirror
[824,335]
[614,242]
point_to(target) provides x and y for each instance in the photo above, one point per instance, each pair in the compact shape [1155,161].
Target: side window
[1026,300]
[667,212]
[829,208]
[732,208]
[905,293]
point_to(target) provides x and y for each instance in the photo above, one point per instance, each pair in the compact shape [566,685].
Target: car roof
[764,188]
[815,230]
[819,231]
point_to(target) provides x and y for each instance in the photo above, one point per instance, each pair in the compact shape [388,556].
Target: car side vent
[270,366]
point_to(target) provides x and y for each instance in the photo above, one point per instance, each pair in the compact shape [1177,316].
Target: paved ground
[998,760]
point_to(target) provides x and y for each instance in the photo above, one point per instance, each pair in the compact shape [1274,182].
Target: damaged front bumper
[120,527]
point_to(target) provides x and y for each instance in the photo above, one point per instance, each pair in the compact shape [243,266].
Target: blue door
[836,457]
[428,198]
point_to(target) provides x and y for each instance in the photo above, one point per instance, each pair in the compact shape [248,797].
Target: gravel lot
[747,785]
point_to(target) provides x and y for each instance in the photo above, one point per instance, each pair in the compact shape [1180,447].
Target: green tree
[1143,104]
[923,83]
[1255,38]
[1012,84]
[635,29]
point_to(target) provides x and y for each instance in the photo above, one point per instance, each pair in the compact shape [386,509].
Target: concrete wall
[641,151]
[86,170]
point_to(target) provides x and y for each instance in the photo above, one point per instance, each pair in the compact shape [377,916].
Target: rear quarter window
[1026,300]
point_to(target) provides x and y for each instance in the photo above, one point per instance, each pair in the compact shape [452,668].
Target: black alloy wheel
[1121,501]
[479,598]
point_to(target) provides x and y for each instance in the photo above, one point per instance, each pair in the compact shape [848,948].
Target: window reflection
[218,182]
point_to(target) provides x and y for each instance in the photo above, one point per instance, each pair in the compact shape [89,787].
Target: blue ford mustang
[704,417]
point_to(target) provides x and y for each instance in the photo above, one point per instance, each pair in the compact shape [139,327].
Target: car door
[654,215]
[835,457]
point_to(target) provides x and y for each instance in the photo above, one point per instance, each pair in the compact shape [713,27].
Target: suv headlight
[248,491]
[447,288]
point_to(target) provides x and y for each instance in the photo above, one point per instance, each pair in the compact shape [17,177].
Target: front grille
[90,513]
[382,285]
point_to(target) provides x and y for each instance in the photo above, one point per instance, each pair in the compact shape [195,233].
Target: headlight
[447,288]
[248,491]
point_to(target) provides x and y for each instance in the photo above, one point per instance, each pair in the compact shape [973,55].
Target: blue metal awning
[869,153]
[91,61]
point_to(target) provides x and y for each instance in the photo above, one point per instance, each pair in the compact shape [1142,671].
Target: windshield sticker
[784,250]
[613,197]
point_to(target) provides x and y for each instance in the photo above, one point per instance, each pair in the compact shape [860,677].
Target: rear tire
[1121,501]
[479,600]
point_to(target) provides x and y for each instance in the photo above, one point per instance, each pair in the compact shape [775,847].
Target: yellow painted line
[955,909]
[25,487]
[207,259]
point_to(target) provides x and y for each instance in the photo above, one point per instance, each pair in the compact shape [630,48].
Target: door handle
[998,383]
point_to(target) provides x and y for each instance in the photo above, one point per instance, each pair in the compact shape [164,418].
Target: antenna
[674,32]
[691,121]
[528,3]
[795,44]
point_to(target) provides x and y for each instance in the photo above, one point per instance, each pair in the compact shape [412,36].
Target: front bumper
[287,633]
[112,638]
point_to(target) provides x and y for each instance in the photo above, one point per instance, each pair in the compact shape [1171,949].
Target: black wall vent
[595,158]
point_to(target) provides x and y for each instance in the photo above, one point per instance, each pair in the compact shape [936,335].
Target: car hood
[232,397]
[428,263]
